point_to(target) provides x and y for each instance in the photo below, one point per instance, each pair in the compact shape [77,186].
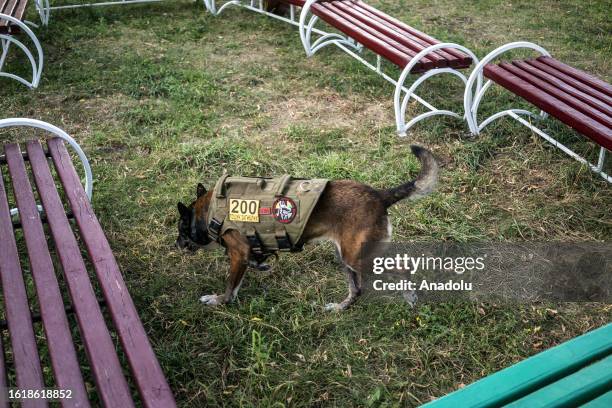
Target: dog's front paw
[212,300]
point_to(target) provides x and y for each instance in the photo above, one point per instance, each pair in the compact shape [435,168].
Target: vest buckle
[254,242]
[214,229]
[283,241]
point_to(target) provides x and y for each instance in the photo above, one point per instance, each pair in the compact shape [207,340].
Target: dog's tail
[421,186]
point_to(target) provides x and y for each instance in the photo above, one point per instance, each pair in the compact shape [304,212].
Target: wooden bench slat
[529,375]
[584,97]
[147,372]
[105,366]
[63,355]
[18,316]
[569,80]
[378,31]
[360,35]
[573,390]
[584,124]
[559,94]
[412,44]
[452,57]
[582,76]
[465,59]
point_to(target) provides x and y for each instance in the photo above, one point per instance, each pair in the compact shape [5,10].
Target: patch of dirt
[327,109]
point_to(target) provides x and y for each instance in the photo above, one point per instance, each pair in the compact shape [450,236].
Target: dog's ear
[183,210]
[201,190]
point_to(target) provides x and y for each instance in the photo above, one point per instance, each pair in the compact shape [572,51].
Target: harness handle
[282,185]
[219,187]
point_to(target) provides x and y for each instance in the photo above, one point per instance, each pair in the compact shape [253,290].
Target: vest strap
[214,228]
[283,241]
[254,242]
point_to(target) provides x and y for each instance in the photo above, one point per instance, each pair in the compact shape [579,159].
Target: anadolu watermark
[525,272]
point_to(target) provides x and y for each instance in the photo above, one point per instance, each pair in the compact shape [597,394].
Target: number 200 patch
[244,210]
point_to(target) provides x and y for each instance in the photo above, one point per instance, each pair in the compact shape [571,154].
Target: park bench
[12,24]
[579,100]
[357,26]
[59,288]
[575,373]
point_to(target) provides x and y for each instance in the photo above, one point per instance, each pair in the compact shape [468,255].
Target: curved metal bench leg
[44,10]
[36,63]
[57,132]
[401,104]
[211,6]
[325,39]
[472,99]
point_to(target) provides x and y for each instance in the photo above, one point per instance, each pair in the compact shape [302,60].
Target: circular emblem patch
[284,210]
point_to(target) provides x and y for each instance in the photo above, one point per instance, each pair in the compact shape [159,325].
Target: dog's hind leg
[354,285]
[348,254]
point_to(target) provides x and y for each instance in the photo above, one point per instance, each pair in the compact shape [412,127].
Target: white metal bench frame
[56,132]
[35,57]
[306,25]
[44,7]
[472,102]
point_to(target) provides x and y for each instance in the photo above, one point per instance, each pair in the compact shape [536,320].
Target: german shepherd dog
[348,213]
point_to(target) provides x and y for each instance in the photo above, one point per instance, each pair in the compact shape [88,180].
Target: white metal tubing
[37,66]
[27,52]
[44,10]
[5,47]
[509,112]
[106,3]
[399,116]
[302,27]
[468,98]
[15,122]
[211,6]
[416,84]
[385,76]
[426,115]
[596,169]
[602,158]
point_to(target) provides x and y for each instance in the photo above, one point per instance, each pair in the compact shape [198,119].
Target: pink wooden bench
[62,240]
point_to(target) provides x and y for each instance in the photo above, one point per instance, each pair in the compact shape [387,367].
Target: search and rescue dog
[257,217]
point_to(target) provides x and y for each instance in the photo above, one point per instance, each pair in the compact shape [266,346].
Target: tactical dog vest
[271,212]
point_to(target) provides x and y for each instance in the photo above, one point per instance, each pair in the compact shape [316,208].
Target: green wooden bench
[575,373]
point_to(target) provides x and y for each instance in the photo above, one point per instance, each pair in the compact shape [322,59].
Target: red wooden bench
[11,24]
[579,100]
[64,286]
[357,26]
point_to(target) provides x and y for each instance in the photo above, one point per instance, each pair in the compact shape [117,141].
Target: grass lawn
[164,96]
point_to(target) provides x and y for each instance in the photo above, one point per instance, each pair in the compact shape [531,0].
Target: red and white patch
[284,210]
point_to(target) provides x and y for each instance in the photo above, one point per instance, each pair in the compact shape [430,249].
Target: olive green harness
[271,212]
